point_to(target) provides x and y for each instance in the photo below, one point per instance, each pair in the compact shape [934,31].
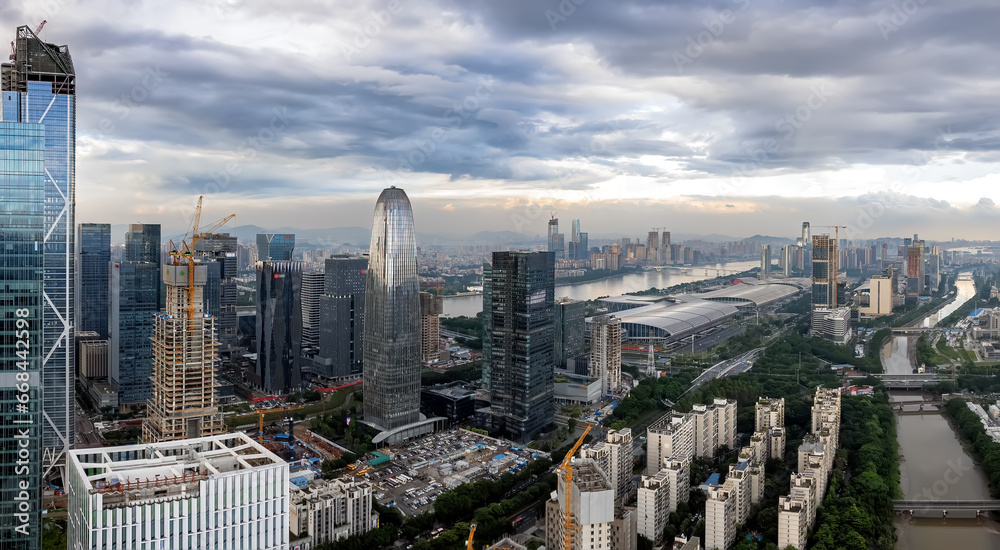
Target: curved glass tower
[392,316]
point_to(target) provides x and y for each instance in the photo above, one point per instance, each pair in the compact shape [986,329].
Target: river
[470,305]
[898,351]
[933,464]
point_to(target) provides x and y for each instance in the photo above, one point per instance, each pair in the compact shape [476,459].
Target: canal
[933,463]
[470,305]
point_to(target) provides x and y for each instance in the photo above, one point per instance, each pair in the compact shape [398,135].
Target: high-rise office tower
[825,259]
[653,246]
[570,327]
[557,241]
[22,261]
[915,269]
[275,246]
[222,249]
[39,87]
[142,243]
[518,333]
[312,289]
[788,259]
[183,404]
[279,326]
[392,316]
[805,233]
[93,249]
[574,231]
[765,261]
[583,246]
[342,316]
[135,298]
[606,352]
[665,248]
[431,308]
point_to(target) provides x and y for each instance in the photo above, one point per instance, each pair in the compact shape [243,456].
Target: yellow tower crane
[183,252]
[472,531]
[567,474]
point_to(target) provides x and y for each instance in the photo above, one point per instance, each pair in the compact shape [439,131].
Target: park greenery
[982,447]
[857,512]
[469,372]
[473,326]
[54,534]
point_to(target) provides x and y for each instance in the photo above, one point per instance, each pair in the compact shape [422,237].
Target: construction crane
[184,253]
[260,418]
[472,531]
[567,474]
[40,26]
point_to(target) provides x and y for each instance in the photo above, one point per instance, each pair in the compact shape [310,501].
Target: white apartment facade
[220,492]
[329,510]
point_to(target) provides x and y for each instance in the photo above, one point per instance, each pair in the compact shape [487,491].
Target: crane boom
[185,252]
[260,418]
[567,475]
[472,531]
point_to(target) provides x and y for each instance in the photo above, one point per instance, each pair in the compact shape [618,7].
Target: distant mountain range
[773,241]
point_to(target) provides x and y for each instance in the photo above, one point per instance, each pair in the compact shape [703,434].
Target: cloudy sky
[705,116]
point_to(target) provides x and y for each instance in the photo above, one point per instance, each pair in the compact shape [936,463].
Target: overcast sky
[704,116]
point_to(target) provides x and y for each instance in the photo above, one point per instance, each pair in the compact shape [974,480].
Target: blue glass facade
[93,260]
[277,247]
[22,230]
[134,293]
[39,86]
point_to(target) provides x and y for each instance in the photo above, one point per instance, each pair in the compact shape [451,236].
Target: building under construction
[184,348]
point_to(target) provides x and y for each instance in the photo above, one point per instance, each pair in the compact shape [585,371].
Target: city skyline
[649,131]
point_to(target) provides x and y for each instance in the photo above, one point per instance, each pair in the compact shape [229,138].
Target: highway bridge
[944,506]
[909,381]
[911,330]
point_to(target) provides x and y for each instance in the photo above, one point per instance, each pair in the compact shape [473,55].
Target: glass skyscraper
[518,341]
[342,316]
[222,248]
[275,246]
[135,299]
[39,86]
[22,230]
[142,243]
[279,326]
[93,260]
[392,316]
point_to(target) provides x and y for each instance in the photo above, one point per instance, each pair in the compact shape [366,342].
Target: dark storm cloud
[522,93]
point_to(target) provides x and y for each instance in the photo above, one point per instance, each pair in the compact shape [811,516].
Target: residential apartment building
[329,510]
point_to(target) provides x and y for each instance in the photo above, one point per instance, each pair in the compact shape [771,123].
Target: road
[736,365]
[85,436]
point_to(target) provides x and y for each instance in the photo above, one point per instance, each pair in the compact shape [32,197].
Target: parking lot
[420,471]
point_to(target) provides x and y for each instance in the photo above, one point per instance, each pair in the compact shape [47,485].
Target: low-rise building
[328,510]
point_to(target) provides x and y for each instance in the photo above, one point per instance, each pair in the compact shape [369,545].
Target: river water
[470,305]
[933,464]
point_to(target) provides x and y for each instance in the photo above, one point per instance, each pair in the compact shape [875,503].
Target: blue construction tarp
[498,457]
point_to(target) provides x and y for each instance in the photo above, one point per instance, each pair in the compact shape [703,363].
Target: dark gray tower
[518,341]
[392,316]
